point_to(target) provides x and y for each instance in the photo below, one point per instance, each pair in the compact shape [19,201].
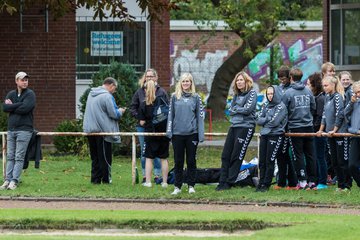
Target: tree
[117,8]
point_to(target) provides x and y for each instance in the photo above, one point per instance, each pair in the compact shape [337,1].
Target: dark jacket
[21,116]
[317,116]
[33,151]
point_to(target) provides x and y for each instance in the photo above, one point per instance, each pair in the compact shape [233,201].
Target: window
[344,32]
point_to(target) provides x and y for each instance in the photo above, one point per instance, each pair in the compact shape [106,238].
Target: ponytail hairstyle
[178,89]
[248,82]
[338,86]
[150,89]
[142,80]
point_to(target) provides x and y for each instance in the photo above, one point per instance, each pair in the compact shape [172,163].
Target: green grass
[69,176]
[300,226]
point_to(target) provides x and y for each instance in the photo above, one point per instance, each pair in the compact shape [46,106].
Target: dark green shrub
[127,85]
[70,144]
[3,121]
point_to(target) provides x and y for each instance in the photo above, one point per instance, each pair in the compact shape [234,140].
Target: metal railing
[135,134]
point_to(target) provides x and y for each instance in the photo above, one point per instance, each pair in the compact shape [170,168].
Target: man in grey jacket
[101,115]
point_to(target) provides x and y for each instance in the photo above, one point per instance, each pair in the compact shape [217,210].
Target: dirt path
[124,205]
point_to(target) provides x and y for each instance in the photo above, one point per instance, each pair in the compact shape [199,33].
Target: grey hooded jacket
[273,116]
[333,114]
[352,113]
[243,110]
[300,104]
[186,116]
[101,113]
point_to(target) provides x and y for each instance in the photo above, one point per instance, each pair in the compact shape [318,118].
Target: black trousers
[101,159]
[182,144]
[236,144]
[287,175]
[339,159]
[270,146]
[304,155]
[354,160]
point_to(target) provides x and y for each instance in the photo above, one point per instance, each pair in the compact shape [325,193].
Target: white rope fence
[133,135]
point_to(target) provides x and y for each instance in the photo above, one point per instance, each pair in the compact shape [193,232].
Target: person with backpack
[273,119]
[242,113]
[153,118]
[185,127]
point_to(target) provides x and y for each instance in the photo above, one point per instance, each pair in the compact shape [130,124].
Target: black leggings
[286,167]
[354,160]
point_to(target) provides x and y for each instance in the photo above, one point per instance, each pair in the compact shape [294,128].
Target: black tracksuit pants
[270,146]
[286,173]
[101,159]
[233,154]
[339,147]
[304,155]
[354,160]
[182,144]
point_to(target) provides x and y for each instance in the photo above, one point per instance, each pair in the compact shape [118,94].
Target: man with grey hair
[19,104]
[101,115]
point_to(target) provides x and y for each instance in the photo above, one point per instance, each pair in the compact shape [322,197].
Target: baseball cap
[21,75]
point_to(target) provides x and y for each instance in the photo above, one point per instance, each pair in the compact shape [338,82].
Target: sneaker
[191,190]
[12,185]
[164,185]
[262,188]
[5,185]
[144,180]
[157,180]
[312,186]
[321,186]
[306,187]
[277,187]
[147,184]
[176,191]
[222,187]
[291,188]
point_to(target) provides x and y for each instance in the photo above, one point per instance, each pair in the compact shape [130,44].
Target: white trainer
[12,185]
[164,185]
[147,184]
[176,191]
[5,185]
[191,190]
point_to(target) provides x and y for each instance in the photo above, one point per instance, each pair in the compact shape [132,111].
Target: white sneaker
[176,191]
[5,185]
[164,185]
[191,190]
[147,184]
[12,185]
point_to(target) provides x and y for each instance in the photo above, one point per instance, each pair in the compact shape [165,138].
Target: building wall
[49,59]
[189,53]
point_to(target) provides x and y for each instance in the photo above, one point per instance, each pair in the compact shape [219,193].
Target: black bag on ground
[205,175]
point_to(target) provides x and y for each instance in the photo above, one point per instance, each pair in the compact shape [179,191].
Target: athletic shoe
[321,186]
[277,187]
[306,187]
[12,185]
[164,185]
[222,187]
[144,180]
[157,180]
[5,185]
[147,184]
[312,186]
[262,188]
[176,191]
[191,190]
[291,188]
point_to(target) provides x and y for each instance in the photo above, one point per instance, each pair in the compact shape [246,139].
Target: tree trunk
[222,81]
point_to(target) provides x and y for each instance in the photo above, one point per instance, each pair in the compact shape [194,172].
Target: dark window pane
[335,1]
[351,1]
[335,37]
[351,37]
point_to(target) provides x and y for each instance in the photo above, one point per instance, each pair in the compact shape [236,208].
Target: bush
[3,121]
[70,144]
[127,85]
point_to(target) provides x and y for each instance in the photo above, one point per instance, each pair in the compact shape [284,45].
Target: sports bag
[160,112]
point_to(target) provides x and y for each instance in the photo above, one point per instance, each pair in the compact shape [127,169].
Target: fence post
[4,155]
[133,160]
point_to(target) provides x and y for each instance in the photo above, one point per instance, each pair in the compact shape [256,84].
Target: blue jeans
[320,149]
[157,162]
[17,144]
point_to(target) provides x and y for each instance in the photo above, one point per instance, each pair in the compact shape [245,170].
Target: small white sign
[106,43]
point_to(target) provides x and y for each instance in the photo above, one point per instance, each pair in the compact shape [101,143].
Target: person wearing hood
[102,115]
[242,118]
[273,119]
[300,104]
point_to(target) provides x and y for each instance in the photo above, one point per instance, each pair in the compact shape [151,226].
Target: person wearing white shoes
[153,117]
[19,104]
[185,128]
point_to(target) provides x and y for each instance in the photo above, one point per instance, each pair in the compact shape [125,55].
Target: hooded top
[333,114]
[273,116]
[348,94]
[243,109]
[300,104]
[317,116]
[352,113]
[101,113]
[186,116]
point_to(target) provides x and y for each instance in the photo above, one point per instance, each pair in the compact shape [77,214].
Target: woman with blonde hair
[185,127]
[242,118]
[138,98]
[154,146]
[333,122]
